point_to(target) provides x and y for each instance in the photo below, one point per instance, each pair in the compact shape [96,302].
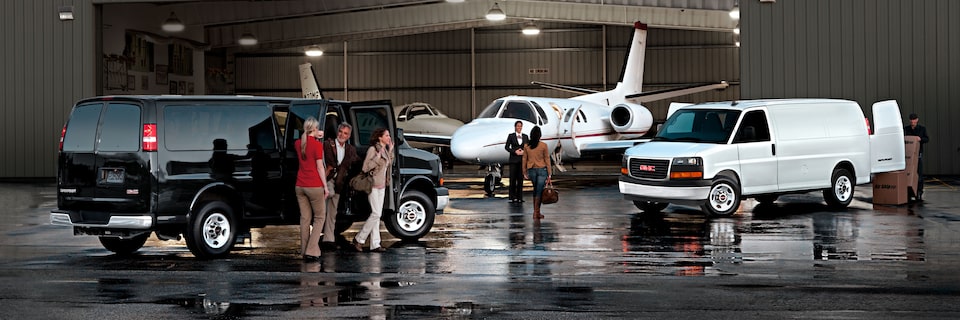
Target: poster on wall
[131,82]
[173,87]
[161,74]
[189,87]
[145,82]
[183,87]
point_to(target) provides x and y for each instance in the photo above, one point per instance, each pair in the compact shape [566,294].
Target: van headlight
[688,161]
[686,168]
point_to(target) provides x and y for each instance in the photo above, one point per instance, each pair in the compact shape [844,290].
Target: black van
[209,168]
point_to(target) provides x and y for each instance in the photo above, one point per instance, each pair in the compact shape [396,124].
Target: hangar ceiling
[281,24]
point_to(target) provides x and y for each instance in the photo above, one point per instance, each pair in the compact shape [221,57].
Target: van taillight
[62,133]
[150,137]
[869,130]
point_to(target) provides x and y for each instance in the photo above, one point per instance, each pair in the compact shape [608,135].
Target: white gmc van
[715,154]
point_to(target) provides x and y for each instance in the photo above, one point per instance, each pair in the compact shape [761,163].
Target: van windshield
[699,125]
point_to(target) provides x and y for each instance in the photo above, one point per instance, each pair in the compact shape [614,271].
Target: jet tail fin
[308,82]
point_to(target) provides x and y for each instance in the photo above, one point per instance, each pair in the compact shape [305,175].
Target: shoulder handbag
[362,182]
[550,194]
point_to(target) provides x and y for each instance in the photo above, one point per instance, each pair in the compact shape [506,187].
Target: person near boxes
[915,129]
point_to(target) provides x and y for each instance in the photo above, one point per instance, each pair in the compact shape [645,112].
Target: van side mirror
[398,138]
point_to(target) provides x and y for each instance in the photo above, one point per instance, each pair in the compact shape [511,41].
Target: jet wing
[609,147]
[676,92]
[436,140]
[564,88]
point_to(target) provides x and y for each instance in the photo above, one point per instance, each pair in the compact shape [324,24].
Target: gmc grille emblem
[645,167]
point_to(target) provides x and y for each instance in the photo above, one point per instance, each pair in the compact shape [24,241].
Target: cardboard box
[911,148]
[890,187]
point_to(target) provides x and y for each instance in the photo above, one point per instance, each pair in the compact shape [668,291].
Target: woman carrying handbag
[536,166]
[378,162]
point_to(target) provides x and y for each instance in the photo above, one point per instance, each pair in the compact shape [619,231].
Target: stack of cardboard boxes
[896,187]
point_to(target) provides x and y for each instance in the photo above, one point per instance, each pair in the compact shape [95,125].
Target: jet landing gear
[492,179]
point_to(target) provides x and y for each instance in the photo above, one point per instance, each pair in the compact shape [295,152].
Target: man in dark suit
[915,129]
[514,145]
[338,156]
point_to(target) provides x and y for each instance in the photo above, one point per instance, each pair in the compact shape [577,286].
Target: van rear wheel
[840,193]
[724,197]
[212,231]
[122,246]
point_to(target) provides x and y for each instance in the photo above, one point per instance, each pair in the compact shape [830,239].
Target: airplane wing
[676,92]
[607,147]
[564,88]
[427,138]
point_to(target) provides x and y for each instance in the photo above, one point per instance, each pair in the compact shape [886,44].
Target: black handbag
[550,194]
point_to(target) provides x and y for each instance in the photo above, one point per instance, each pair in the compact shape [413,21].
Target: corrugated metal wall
[47,65]
[437,67]
[862,50]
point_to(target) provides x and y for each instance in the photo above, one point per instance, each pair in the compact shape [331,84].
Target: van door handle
[773,149]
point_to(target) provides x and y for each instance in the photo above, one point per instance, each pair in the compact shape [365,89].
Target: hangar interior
[446,53]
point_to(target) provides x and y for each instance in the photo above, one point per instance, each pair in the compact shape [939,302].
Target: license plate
[111,175]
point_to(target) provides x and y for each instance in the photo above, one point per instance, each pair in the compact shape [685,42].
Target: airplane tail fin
[633,70]
[308,82]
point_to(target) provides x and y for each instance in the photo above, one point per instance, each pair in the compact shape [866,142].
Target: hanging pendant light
[495,13]
[247,39]
[313,51]
[530,29]
[172,24]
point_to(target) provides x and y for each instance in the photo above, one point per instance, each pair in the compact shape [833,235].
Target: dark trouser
[920,176]
[516,181]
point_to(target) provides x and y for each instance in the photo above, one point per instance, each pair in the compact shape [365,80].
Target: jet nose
[465,143]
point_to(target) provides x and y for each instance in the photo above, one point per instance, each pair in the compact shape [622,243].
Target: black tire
[767,199]
[840,193]
[413,218]
[212,230]
[724,197]
[124,246]
[650,206]
[490,184]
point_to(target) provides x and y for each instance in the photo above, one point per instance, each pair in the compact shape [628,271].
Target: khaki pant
[312,214]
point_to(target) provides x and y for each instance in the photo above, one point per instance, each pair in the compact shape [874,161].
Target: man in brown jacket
[338,155]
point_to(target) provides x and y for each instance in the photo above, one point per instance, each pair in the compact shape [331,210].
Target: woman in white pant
[379,162]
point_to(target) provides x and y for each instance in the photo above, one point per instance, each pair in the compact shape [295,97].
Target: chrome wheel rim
[843,188]
[722,197]
[411,216]
[216,230]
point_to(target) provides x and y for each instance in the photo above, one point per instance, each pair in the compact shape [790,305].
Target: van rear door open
[886,144]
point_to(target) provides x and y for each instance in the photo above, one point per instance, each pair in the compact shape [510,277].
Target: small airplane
[591,123]
[420,118]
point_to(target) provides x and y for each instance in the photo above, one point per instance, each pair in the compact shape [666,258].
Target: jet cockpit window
[519,110]
[418,111]
[543,115]
[491,110]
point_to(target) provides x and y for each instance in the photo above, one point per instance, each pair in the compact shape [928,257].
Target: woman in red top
[311,189]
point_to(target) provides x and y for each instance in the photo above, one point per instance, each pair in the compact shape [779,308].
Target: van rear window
[121,129]
[195,128]
[81,132]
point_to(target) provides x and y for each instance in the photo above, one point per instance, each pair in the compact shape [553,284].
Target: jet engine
[630,120]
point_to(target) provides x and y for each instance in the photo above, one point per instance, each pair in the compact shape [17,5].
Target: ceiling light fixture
[455,1]
[495,14]
[737,29]
[66,13]
[172,24]
[247,39]
[530,29]
[314,51]
[735,12]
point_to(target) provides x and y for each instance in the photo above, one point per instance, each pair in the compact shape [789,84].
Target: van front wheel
[724,197]
[840,193]
[413,218]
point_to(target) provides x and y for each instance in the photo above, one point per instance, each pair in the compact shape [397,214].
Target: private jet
[593,122]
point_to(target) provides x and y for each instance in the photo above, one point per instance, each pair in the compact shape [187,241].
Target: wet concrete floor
[593,256]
